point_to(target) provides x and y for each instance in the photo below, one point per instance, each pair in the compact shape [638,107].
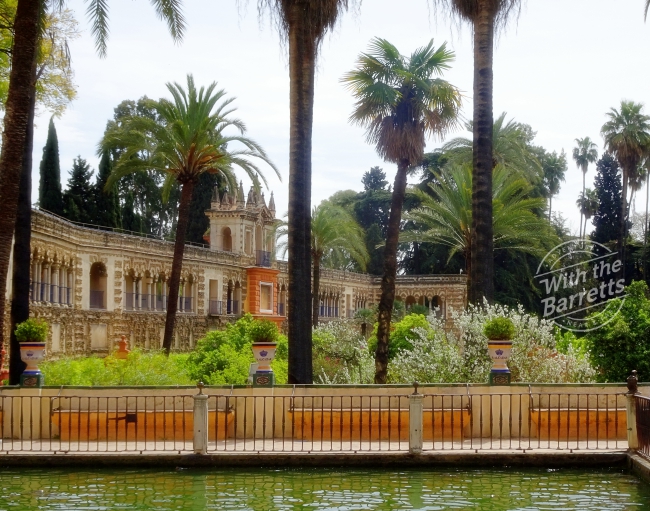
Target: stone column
[415,421]
[164,293]
[154,298]
[46,282]
[200,439]
[70,286]
[55,283]
[134,300]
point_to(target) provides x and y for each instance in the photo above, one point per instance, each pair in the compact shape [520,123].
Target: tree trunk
[550,206]
[302,61]
[482,267]
[622,222]
[22,250]
[177,264]
[584,175]
[645,230]
[315,299]
[14,136]
[385,310]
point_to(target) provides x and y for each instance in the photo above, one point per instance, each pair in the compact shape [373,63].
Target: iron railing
[322,420]
[642,404]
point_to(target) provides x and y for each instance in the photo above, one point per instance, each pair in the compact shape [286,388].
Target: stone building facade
[95,285]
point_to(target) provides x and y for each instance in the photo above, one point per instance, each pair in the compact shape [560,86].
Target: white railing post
[632,386]
[415,421]
[200,439]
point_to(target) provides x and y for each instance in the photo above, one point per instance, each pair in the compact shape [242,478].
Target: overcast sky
[560,67]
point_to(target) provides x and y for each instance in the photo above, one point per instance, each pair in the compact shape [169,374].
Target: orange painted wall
[255,275]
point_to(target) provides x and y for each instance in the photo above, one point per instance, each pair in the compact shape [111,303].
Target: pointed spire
[240,194]
[216,202]
[250,201]
[263,199]
[272,204]
[226,199]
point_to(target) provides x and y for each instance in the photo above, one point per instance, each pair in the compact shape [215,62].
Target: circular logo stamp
[579,280]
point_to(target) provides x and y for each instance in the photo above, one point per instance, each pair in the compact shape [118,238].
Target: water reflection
[322,489]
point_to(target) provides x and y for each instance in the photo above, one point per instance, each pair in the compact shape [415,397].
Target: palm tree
[588,204]
[304,24]
[484,16]
[27,31]
[554,167]
[627,136]
[584,153]
[445,214]
[335,237]
[189,141]
[511,147]
[399,102]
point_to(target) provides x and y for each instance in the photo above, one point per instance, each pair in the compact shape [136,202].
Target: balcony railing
[97,300]
[50,293]
[263,258]
[149,302]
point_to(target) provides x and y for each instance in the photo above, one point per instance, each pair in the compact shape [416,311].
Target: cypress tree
[201,199]
[106,201]
[79,198]
[50,197]
[609,190]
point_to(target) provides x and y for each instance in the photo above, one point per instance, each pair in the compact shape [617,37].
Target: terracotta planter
[264,353]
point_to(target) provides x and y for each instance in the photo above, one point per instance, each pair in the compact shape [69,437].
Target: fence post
[415,421]
[632,389]
[200,439]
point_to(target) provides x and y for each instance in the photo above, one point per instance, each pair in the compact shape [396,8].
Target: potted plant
[264,334]
[499,332]
[32,336]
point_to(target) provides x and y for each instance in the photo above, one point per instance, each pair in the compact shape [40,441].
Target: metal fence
[642,404]
[318,420]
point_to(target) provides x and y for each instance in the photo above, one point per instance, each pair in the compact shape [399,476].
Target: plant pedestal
[264,353]
[32,353]
[499,351]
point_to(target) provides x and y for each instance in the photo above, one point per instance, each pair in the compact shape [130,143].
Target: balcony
[263,258]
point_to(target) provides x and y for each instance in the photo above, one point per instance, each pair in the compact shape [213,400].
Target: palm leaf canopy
[627,134]
[167,10]
[400,100]
[468,10]
[336,237]
[445,214]
[186,140]
[511,148]
[585,153]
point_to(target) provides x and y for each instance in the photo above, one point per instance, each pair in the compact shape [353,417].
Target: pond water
[322,489]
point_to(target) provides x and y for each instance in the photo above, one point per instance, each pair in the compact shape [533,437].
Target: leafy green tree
[19,110]
[190,141]
[49,188]
[608,190]
[79,199]
[621,343]
[584,153]
[131,221]
[445,215]
[399,102]
[304,25]
[484,16]
[627,137]
[106,199]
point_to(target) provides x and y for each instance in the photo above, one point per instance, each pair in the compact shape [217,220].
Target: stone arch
[226,239]
[98,282]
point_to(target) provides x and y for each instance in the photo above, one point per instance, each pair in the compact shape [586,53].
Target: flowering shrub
[460,355]
[340,354]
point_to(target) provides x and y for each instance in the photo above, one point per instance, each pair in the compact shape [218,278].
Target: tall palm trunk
[177,264]
[550,206]
[22,249]
[316,300]
[302,62]
[482,267]
[584,174]
[14,136]
[623,222]
[385,310]
[645,230]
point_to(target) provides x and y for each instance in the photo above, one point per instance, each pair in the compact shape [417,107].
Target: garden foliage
[622,343]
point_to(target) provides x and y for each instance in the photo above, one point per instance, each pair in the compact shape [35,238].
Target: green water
[322,489]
